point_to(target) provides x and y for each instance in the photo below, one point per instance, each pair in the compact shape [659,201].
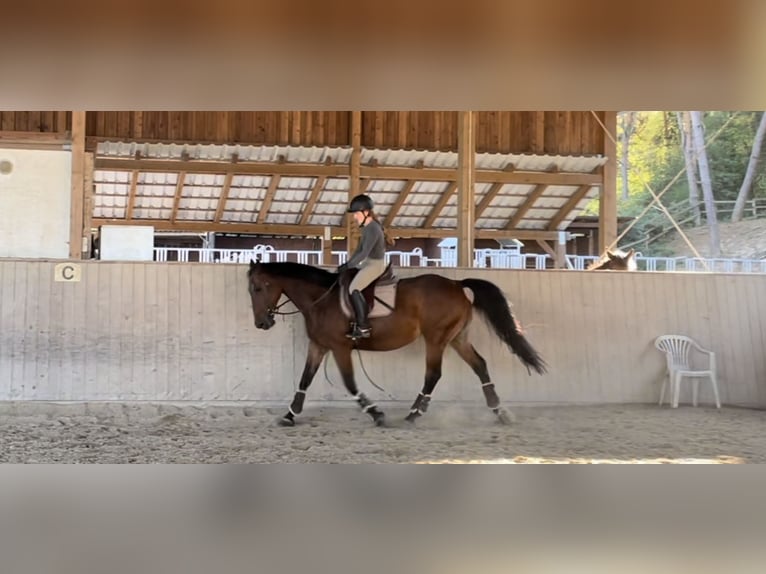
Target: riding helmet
[361,202]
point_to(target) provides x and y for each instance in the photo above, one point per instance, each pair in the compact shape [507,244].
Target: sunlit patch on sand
[579,460]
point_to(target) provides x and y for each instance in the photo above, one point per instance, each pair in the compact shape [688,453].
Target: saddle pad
[385,293]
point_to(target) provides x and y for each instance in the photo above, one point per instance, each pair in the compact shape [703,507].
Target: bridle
[275,310]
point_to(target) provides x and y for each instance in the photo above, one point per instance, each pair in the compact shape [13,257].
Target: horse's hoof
[286,421]
[411,418]
[380,421]
[505,416]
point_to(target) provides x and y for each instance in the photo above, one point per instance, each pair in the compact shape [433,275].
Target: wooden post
[560,259]
[327,247]
[87,216]
[466,141]
[607,201]
[78,185]
[352,234]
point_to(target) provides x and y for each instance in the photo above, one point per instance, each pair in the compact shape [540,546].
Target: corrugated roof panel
[336,184]
[507,201]
[498,212]
[385,185]
[204,179]
[555,202]
[299,196]
[449,222]
[286,207]
[248,205]
[326,219]
[333,197]
[415,210]
[238,217]
[296,182]
[247,193]
[409,221]
[283,218]
[250,181]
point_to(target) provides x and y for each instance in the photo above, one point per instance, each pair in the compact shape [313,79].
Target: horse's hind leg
[469,354]
[346,367]
[434,356]
[313,360]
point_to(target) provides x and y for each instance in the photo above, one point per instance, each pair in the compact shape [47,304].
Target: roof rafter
[567,208]
[525,207]
[437,209]
[177,196]
[316,191]
[268,198]
[132,194]
[221,207]
[487,199]
[400,199]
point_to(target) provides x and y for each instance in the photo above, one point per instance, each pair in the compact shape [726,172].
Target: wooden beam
[546,247]
[466,202]
[132,194]
[77,185]
[437,209]
[400,199]
[316,191]
[34,140]
[223,167]
[607,200]
[318,230]
[487,199]
[522,210]
[567,208]
[87,216]
[268,198]
[340,170]
[352,233]
[221,207]
[177,197]
[482,175]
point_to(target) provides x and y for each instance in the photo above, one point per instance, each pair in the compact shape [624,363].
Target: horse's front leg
[346,367]
[313,360]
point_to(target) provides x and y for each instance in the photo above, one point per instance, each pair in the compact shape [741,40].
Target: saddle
[382,289]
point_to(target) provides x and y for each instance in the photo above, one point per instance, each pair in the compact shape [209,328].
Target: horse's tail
[489,300]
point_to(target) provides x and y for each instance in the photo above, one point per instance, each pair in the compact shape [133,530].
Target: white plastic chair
[677,349]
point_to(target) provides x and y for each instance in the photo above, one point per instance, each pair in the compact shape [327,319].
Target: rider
[369,257]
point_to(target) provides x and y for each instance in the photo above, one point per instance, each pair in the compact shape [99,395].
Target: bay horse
[432,306]
[615,260]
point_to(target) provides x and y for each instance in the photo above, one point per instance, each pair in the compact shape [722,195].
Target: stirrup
[359,333]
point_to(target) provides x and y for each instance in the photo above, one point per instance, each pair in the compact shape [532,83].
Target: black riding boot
[361,329]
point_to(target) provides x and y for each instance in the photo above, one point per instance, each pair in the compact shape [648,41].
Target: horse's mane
[299,271]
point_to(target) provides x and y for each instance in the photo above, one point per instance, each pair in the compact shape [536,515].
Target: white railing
[483,258]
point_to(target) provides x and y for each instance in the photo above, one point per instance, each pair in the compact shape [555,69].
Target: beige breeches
[371,270]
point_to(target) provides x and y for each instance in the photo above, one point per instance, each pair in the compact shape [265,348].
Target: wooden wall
[185,332]
[566,133]
[46,122]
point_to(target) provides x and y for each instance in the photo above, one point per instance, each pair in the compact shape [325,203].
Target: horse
[616,260]
[432,306]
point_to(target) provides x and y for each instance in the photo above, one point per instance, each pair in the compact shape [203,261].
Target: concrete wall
[149,331]
[35,197]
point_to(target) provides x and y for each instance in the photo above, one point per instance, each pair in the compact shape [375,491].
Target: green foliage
[656,157]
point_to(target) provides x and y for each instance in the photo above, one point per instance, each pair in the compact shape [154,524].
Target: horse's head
[618,261]
[264,294]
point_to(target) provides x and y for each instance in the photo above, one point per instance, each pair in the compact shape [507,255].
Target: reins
[275,311]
